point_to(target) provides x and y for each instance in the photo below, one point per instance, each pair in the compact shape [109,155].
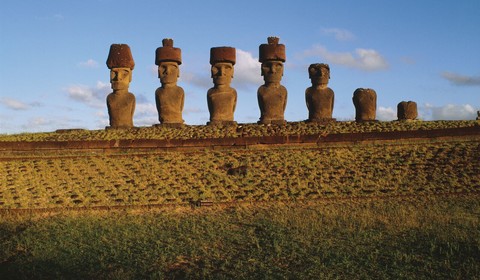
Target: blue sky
[53,55]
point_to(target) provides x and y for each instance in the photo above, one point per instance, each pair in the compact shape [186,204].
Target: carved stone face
[222,73]
[272,71]
[319,74]
[120,78]
[168,72]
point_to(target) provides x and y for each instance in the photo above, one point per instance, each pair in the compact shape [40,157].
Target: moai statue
[221,98]
[169,97]
[407,111]
[478,115]
[272,96]
[319,96]
[365,101]
[120,103]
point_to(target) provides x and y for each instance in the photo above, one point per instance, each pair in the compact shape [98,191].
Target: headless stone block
[365,101]
[407,110]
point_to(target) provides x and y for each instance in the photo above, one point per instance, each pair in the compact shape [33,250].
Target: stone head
[168,59]
[319,73]
[120,62]
[272,56]
[222,60]
[120,78]
[168,72]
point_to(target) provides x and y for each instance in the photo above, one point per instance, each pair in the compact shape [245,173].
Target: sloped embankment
[142,172]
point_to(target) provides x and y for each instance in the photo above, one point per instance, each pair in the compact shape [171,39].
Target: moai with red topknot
[169,98]
[272,96]
[221,98]
[120,103]
[319,97]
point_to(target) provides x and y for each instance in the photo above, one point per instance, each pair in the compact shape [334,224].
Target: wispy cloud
[362,59]
[386,114]
[18,105]
[247,71]
[201,80]
[461,80]
[90,63]
[91,96]
[449,112]
[339,34]
[54,17]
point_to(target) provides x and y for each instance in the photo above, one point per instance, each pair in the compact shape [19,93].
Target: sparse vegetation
[273,174]
[346,211]
[242,130]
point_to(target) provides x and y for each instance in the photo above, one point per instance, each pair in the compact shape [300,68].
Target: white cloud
[339,34]
[246,73]
[449,112]
[247,70]
[199,80]
[91,96]
[363,59]
[90,63]
[386,114]
[145,109]
[18,105]
[461,80]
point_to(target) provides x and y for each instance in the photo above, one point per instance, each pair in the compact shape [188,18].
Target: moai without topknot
[120,103]
[407,110]
[319,97]
[169,98]
[272,96]
[221,98]
[365,101]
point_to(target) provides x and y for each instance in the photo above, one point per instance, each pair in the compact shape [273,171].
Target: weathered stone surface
[365,101]
[169,98]
[168,53]
[319,97]
[407,110]
[120,103]
[221,98]
[272,96]
[120,56]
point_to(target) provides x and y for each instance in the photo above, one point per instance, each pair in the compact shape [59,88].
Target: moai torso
[170,102]
[272,102]
[221,103]
[121,107]
[319,103]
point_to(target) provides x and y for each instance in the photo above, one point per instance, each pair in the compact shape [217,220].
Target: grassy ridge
[242,130]
[273,174]
[372,239]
